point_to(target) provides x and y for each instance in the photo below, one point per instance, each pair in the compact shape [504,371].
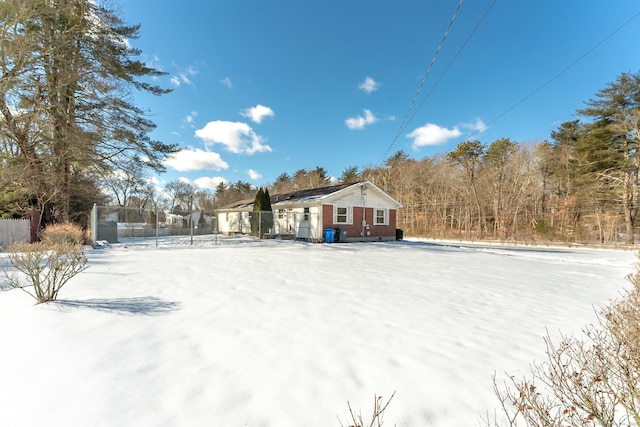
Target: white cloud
[184,77]
[193,160]
[189,120]
[477,126]
[209,182]
[358,123]
[227,82]
[258,113]
[369,85]
[237,137]
[253,174]
[432,134]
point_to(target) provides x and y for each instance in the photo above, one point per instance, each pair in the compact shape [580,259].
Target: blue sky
[265,87]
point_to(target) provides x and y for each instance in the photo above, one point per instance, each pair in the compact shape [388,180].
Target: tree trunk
[629,216]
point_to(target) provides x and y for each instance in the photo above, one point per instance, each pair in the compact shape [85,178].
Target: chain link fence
[112,224]
[109,224]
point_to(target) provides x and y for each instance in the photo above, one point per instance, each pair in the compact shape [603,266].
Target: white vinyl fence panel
[14,230]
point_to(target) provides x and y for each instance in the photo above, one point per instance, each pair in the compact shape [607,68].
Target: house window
[342,215]
[381,217]
[306,214]
[280,213]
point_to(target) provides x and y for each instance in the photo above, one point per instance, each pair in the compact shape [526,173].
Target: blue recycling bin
[329,235]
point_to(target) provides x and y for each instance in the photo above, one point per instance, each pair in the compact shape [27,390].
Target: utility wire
[453,60]
[424,78]
[539,88]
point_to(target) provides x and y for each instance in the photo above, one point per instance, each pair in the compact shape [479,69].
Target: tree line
[581,185]
[71,137]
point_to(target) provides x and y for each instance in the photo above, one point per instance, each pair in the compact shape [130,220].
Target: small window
[306,214]
[341,215]
[280,213]
[381,217]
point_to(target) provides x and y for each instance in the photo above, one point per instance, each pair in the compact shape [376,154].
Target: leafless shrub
[379,406]
[591,381]
[42,269]
[63,233]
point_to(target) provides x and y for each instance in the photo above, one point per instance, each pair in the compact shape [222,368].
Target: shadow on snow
[146,306]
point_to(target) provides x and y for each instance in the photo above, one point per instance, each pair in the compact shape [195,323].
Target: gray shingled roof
[295,196]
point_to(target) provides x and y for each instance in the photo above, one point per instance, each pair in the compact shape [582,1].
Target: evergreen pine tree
[267,214]
[254,219]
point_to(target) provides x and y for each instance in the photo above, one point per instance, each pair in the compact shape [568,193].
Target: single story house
[342,213]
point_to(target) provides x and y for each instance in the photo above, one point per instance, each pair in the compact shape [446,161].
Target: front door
[302,225]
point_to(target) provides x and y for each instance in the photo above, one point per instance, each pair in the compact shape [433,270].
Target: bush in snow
[63,233]
[592,381]
[42,269]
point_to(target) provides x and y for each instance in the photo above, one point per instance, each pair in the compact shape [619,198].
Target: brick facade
[354,230]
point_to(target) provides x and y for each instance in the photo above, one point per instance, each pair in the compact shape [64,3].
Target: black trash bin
[399,234]
[336,238]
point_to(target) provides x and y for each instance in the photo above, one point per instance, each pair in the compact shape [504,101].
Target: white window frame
[385,216]
[280,213]
[306,213]
[348,214]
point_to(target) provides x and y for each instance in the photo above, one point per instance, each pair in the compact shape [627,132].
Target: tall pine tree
[610,149]
[67,73]
[267,212]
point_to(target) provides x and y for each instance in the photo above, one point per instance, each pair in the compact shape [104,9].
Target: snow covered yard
[282,333]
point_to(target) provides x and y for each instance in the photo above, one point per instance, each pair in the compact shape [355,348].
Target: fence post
[34,224]
[190,222]
[94,226]
[296,225]
[215,227]
[156,206]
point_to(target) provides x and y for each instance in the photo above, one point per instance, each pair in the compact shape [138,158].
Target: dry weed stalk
[379,406]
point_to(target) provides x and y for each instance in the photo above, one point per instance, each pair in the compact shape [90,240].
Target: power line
[539,88]
[486,13]
[424,78]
